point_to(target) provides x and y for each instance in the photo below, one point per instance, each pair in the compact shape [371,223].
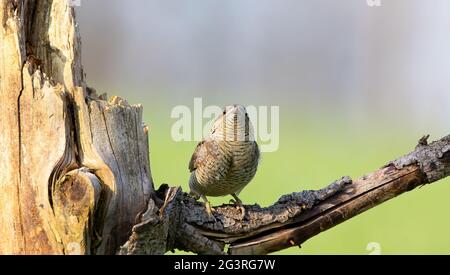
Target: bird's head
[233,125]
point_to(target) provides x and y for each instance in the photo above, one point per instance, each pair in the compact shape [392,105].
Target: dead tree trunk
[75,173]
[74,168]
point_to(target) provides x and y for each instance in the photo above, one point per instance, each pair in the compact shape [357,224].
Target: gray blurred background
[392,60]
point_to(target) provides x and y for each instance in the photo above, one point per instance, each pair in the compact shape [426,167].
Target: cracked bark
[294,218]
[75,173]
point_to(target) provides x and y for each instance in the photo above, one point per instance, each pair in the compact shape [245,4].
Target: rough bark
[294,218]
[75,173]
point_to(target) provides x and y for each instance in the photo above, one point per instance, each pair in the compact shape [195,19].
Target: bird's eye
[224,112]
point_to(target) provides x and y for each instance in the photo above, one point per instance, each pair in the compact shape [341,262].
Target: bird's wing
[198,157]
[207,151]
[208,157]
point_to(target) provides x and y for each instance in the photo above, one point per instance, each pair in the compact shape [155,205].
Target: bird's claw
[242,209]
[210,210]
[239,205]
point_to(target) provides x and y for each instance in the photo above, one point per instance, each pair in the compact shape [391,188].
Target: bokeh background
[357,86]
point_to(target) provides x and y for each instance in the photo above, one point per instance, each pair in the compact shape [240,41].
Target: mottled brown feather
[198,156]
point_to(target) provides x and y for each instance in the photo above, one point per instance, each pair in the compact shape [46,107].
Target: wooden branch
[297,217]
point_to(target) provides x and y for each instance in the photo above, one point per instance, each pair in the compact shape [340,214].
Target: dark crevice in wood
[19,196]
[66,164]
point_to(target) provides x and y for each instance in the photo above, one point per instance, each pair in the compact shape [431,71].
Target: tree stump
[75,169]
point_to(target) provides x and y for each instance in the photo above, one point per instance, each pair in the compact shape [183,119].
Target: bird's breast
[229,172]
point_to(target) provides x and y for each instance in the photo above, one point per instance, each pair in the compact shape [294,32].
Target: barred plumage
[227,160]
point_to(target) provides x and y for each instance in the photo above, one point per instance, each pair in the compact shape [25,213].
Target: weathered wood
[116,147]
[12,56]
[75,169]
[74,203]
[362,195]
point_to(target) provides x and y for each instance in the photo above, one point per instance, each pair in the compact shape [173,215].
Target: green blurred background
[357,86]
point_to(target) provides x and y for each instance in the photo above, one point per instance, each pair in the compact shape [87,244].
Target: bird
[226,160]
